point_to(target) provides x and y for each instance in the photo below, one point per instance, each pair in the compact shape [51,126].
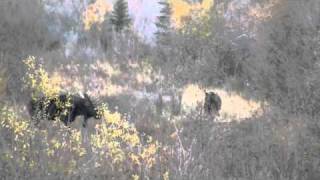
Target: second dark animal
[212,103]
[64,107]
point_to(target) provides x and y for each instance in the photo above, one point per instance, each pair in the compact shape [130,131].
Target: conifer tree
[164,22]
[120,16]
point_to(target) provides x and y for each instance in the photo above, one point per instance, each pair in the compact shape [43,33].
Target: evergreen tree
[120,16]
[164,22]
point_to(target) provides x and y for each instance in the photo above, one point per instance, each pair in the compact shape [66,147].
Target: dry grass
[233,106]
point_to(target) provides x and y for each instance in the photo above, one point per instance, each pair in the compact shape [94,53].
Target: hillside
[175,89]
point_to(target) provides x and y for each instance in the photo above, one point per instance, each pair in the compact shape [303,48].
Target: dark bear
[64,106]
[212,103]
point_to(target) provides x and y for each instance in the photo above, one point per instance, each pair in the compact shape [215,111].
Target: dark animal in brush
[65,107]
[212,103]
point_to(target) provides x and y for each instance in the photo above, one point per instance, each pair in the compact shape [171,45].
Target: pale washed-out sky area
[143,12]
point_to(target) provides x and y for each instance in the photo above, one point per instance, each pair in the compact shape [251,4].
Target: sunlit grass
[106,67]
[192,96]
[233,105]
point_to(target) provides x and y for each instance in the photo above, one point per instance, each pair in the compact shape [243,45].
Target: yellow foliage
[9,120]
[38,79]
[20,131]
[134,158]
[206,4]
[121,140]
[135,177]
[166,176]
[112,134]
[95,13]
[24,136]
[114,141]
[182,9]
[148,154]
[76,143]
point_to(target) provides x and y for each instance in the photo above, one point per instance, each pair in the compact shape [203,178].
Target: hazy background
[146,66]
